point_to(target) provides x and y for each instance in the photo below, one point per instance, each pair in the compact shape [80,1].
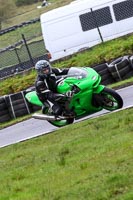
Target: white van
[83,24]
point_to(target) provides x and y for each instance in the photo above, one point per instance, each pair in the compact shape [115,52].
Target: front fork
[96,97]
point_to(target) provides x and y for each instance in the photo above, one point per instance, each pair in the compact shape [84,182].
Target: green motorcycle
[89,97]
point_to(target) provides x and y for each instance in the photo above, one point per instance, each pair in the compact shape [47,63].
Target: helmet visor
[45,71]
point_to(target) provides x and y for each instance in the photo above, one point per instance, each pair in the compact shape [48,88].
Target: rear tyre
[111,100]
[62,122]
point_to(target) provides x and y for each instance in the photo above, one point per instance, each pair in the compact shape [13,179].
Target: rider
[46,86]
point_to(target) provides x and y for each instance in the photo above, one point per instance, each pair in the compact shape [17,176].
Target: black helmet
[43,67]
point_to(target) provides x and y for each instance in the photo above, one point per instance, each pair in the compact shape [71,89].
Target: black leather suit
[46,87]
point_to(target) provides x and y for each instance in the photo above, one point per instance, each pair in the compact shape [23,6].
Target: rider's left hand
[69,94]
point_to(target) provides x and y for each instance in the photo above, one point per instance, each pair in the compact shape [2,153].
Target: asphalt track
[33,127]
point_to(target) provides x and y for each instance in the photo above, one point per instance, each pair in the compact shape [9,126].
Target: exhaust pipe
[46,117]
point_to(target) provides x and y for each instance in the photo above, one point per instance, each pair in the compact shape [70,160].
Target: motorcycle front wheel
[111,100]
[60,123]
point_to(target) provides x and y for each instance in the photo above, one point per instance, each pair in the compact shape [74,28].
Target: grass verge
[14,121]
[88,160]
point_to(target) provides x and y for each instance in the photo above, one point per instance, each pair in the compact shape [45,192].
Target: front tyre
[111,100]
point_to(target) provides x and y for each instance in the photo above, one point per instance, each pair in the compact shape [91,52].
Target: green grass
[105,52]
[17,83]
[25,14]
[122,84]
[91,160]
[14,121]
[13,37]
[29,12]
[101,53]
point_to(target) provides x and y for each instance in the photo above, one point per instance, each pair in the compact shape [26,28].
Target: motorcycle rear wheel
[111,99]
[62,123]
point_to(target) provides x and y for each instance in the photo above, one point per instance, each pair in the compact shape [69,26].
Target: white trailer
[83,24]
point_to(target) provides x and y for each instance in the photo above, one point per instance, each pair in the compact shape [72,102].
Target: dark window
[87,21]
[123,10]
[95,19]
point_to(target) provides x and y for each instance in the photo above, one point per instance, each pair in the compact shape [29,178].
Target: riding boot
[45,108]
[57,110]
